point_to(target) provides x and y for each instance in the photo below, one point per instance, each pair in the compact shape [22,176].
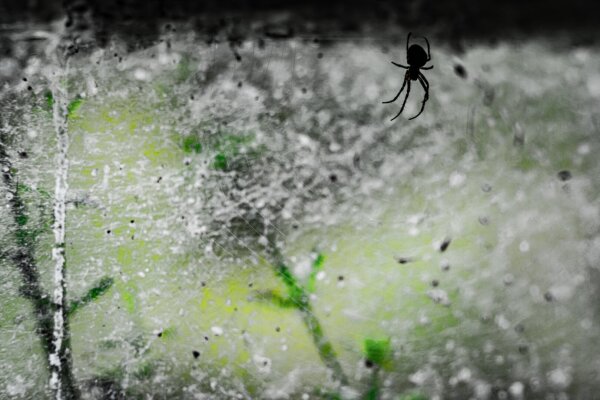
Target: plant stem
[61,379]
[299,296]
[24,260]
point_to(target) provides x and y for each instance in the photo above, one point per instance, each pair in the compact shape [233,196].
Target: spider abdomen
[416,56]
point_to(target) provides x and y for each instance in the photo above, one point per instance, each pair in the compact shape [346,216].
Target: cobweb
[245,222]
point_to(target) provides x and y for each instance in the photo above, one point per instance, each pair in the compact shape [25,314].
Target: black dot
[250,284]
[24,79]
[523,349]
[159,334]
[203,284]
[519,328]
[445,244]
[29,88]
[303,90]
[108,231]
[277,329]
[341,278]
[319,55]
[548,296]
[132,221]
[333,178]
[240,84]
[23,154]
[435,283]
[369,363]
[564,175]
[196,354]
[206,338]
[460,71]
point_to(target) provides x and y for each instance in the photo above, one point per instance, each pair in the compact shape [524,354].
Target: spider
[416,59]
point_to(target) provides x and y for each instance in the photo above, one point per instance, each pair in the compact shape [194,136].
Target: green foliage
[49,99]
[220,162]
[378,351]
[275,299]
[191,144]
[317,265]
[73,106]
[296,293]
[100,288]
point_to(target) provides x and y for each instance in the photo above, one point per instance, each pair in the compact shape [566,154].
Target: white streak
[58,250]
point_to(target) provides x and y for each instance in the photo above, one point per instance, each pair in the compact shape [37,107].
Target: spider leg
[400,65]
[428,50]
[404,103]
[430,67]
[401,89]
[423,81]
[407,42]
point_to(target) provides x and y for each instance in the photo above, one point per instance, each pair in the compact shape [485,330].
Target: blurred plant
[27,235]
[298,297]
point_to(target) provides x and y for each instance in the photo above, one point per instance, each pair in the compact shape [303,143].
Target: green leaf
[296,292]
[317,265]
[49,99]
[378,351]
[92,294]
[220,162]
[275,299]
[73,106]
[191,144]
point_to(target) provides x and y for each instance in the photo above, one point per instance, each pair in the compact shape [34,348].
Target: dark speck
[445,244]
[304,90]
[486,188]
[24,79]
[435,283]
[333,178]
[196,354]
[23,154]
[523,349]
[159,334]
[132,221]
[460,70]
[564,175]
[159,179]
[108,231]
[29,88]
[277,329]
[341,278]
[519,328]
[319,55]
[250,284]
[203,284]
[548,296]
[404,260]
[240,84]
[206,338]
[368,363]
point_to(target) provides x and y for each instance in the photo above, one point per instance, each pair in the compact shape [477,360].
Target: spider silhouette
[416,57]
